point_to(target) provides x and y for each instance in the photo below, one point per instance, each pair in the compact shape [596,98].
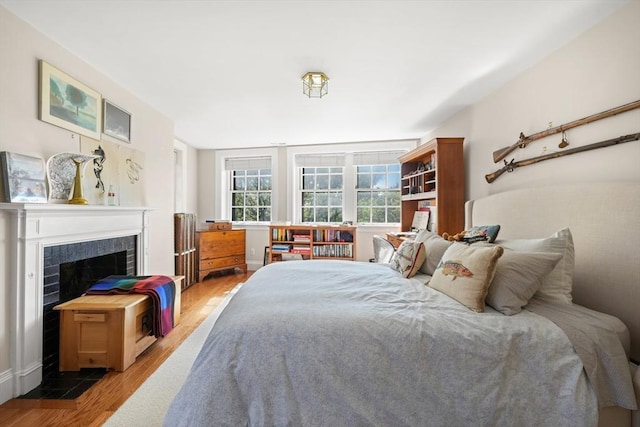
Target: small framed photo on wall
[117,122]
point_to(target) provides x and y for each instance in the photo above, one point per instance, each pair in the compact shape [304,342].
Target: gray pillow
[435,246]
[557,285]
[518,277]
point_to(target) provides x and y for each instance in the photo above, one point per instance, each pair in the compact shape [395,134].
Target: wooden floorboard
[97,404]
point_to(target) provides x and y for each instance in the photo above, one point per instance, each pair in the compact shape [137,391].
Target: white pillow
[435,246]
[408,258]
[518,276]
[557,285]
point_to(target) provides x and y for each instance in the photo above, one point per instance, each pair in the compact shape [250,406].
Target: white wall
[595,72]
[21,47]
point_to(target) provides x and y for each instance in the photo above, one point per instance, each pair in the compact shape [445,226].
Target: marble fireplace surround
[32,227]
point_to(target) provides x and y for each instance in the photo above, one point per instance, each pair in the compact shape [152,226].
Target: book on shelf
[336,251]
[276,247]
[420,220]
[301,250]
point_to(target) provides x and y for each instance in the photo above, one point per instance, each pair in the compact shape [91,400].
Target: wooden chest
[107,331]
[220,250]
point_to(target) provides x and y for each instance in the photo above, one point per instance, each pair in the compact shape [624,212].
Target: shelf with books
[433,175]
[312,241]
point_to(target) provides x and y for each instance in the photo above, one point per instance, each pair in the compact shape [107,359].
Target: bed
[315,343]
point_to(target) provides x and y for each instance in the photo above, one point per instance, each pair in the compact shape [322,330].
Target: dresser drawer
[221,244]
[208,264]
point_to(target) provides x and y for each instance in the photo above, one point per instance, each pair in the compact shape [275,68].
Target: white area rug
[148,405]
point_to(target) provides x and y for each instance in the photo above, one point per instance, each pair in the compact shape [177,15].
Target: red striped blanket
[161,290]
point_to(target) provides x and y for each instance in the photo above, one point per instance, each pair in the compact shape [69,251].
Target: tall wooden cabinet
[184,232]
[220,250]
[433,177]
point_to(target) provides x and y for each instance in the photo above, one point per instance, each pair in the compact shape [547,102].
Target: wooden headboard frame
[604,219]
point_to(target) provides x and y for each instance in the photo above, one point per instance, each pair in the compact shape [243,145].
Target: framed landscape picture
[69,104]
[23,178]
[116,122]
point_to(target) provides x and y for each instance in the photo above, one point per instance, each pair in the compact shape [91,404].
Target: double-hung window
[377,187]
[250,179]
[322,187]
[363,187]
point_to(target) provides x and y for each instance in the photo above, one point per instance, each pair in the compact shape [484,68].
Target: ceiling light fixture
[315,84]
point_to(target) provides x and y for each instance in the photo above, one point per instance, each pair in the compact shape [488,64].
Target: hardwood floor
[97,404]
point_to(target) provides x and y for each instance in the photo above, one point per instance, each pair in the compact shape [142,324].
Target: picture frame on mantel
[67,103]
[116,122]
[23,178]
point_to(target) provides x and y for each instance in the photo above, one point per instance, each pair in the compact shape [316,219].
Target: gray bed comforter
[338,343]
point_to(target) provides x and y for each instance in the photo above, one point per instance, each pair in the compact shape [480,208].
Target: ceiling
[228,72]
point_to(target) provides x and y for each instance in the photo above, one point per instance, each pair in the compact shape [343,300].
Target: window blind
[319,160]
[245,163]
[377,158]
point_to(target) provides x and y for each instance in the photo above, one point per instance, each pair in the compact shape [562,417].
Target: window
[363,187]
[378,193]
[250,188]
[322,189]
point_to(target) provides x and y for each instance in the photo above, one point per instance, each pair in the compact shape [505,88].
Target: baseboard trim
[6,386]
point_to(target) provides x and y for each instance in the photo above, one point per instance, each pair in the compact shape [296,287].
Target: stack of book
[301,244]
[301,249]
[281,247]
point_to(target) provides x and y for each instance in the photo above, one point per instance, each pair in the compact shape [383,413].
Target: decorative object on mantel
[510,166]
[102,172]
[78,198]
[523,140]
[116,122]
[67,103]
[131,168]
[22,178]
[315,84]
[116,165]
[63,170]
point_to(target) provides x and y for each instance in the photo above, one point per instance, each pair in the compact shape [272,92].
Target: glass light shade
[315,84]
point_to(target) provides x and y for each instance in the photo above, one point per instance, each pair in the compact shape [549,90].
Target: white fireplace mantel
[32,228]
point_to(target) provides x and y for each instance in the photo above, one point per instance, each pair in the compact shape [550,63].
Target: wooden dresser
[220,250]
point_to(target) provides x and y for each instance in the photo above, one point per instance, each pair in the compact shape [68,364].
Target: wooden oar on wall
[523,140]
[510,166]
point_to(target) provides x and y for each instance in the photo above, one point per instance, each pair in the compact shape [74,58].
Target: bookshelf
[312,242]
[433,179]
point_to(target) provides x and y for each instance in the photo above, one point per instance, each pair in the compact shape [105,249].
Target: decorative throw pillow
[465,272]
[435,246]
[408,258]
[557,285]
[518,276]
[481,233]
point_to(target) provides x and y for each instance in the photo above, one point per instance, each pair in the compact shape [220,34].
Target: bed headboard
[604,219]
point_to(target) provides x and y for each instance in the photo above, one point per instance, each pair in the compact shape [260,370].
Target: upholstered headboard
[604,219]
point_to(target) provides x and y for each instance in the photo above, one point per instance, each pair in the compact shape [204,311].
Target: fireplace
[37,234]
[69,270]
